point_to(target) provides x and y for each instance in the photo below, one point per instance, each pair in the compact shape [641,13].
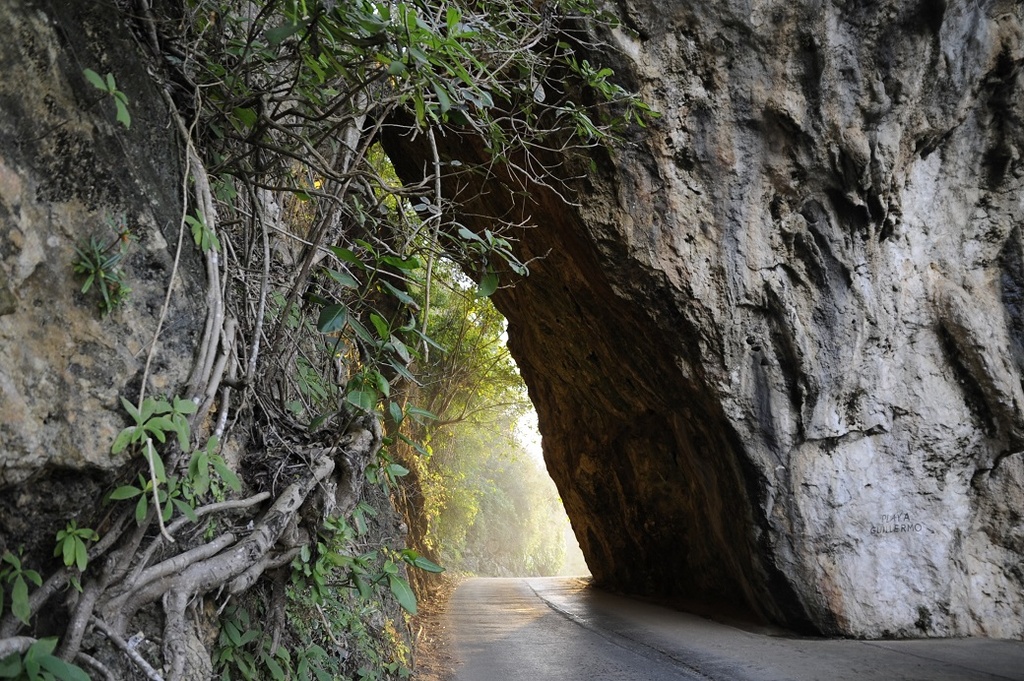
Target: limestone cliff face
[776,350]
[70,172]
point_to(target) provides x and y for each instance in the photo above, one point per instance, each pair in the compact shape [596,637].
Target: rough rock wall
[819,251]
[776,350]
[68,172]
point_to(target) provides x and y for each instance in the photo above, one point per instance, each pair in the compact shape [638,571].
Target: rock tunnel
[775,341]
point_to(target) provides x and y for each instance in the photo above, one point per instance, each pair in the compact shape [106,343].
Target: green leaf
[452,17]
[403,594]
[364,399]
[132,411]
[158,463]
[63,670]
[94,79]
[421,414]
[399,347]
[343,278]
[123,117]
[123,439]
[248,672]
[396,68]
[315,652]
[68,550]
[405,373]
[421,115]
[125,492]
[140,509]
[361,331]
[347,255]
[319,420]
[10,666]
[366,509]
[204,237]
[183,406]
[397,470]
[399,293]
[186,510]
[419,55]
[33,577]
[182,429]
[158,425]
[414,558]
[226,474]
[19,599]
[488,285]
[159,406]
[201,481]
[246,115]
[362,586]
[383,328]
[275,36]
[275,668]
[332,318]
[382,384]
[468,235]
[410,263]
[396,412]
[42,648]
[81,556]
[442,97]
[415,445]
[427,564]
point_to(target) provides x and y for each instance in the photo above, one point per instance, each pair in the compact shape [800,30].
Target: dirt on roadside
[433,654]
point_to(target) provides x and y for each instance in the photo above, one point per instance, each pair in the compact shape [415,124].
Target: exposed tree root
[15,644]
[230,563]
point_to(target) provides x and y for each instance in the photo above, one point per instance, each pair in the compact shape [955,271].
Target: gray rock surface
[70,172]
[776,349]
[826,229]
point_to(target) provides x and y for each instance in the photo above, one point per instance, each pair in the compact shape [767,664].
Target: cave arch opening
[485,503]
[645,460]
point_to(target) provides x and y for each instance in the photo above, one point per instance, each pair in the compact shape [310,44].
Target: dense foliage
[500,515]
[488,507]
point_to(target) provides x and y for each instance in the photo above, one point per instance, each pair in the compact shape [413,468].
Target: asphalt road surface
[557,629]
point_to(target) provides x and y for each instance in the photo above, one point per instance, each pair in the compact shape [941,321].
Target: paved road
[557,629]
